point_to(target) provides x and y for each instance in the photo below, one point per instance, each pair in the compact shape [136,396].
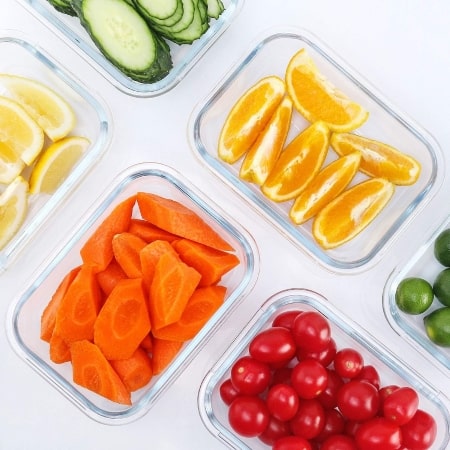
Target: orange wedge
[298,164]
[378,159]
[263,154]
[326,186]
[350,212]
[316,98]
[249,116]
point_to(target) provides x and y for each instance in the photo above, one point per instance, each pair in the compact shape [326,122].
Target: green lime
[441,287]
[414,295]
[442,248]
[437,326]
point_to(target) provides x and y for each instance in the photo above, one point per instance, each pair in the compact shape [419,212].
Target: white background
[402,47]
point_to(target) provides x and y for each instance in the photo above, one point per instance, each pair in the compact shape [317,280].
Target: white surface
[402,47]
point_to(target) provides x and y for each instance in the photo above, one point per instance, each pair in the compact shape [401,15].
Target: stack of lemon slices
[35,123]
[256,129]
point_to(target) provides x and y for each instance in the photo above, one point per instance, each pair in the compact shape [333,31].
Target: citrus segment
[316,98]
[249,116]
[263,154]
[55,163]
[326,186]
[55,116]
[298,164]
[10,164]
[378,159]
[351,211]
[13,208]
[19,131]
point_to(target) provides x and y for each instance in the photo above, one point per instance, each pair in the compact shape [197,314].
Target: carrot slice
[126,248]
[79,307]
[123,320]
[92,371]
[59,349]
[108,278]
[178,219]
[136,371]
[210,262]
[48,317]
[163,353]
[173,284]
[149,232]
[205,301]
[147,343]
[97,251]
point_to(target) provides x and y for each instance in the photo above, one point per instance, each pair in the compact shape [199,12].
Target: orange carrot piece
[205,301]
[178,219]
[210,262]
[108,278]
[149,232]
[48,317]
[136,371]
[79,307]
[94,372]
[147,343]
[126,248]
[123,321]
[163,353]
[59,349]
[173,284]
[97,251]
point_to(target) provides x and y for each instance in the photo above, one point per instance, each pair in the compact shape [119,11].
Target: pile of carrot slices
[148,281]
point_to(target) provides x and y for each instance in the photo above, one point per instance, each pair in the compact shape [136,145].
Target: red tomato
[309,420]
[401,405]
[348,362]
[282,401]
[328,398]
[420,432]
[249,376]
[309,378]
[286,319]
[275,430]
[248,416]
[292,443]
[384,392]
[370,374]
[378,434]
[228,392]
[334,424]
[325,356]
[274,345]
[339,442]
[311,331]
[358,400]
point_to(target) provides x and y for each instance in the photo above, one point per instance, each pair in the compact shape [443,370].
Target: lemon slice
[13,209]
[55,116]
[55,163]
[10,164]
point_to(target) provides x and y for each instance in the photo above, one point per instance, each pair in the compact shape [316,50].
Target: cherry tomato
[378,434]
[328,397]
[351,426]
[281,375]
[273,345]
[311,331]
[420,432]
[325,356]
[334,424]
[249,376]
[309,420]
[358,400]
[348,362]
[369,373]
[339,442]
[286,319]
[309,378]
[292,443]
[383,393]
[248,416]
[275,430]
[282,401]
[401,405]
[228,392]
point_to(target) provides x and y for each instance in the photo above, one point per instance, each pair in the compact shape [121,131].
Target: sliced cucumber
[63,6]
[159,9]
[185,20]
[215,8]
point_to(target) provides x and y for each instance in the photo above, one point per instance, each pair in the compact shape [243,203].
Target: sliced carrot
[126,248]
[210,262]
[205,301]
[147,343]
[93,371]
[173,284]
[97,251]
[149,232]
[135,371]
[178,219]
[48,317]
[79,307]
[123,321]
[108,278]
[59,349]
[163,353]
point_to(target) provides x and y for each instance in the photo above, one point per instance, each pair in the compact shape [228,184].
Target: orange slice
[263,154]
[350,212]
[249,116]
[316,98]
[298,164]
[326,186]
[378,159]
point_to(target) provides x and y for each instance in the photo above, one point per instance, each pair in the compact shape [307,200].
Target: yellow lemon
[10,164]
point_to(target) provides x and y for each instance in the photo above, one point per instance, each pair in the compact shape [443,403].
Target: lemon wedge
[10,164]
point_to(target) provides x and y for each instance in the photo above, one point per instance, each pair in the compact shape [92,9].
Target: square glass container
[422,264]
[20,56]
[346,334]
[184,57]
[23,321]
[270,56]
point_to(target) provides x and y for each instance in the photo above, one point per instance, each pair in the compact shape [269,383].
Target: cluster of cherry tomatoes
[296,390]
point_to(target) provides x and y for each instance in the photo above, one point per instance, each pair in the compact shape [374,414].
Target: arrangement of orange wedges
[255,133]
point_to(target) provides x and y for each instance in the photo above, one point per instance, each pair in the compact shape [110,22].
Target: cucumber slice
[153,20]
[215,8]
[183,23]
[159,9]
[63,6]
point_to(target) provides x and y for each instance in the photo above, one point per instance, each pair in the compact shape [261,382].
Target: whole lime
[414,295]
[437,326]
[442,247]
[441,287]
